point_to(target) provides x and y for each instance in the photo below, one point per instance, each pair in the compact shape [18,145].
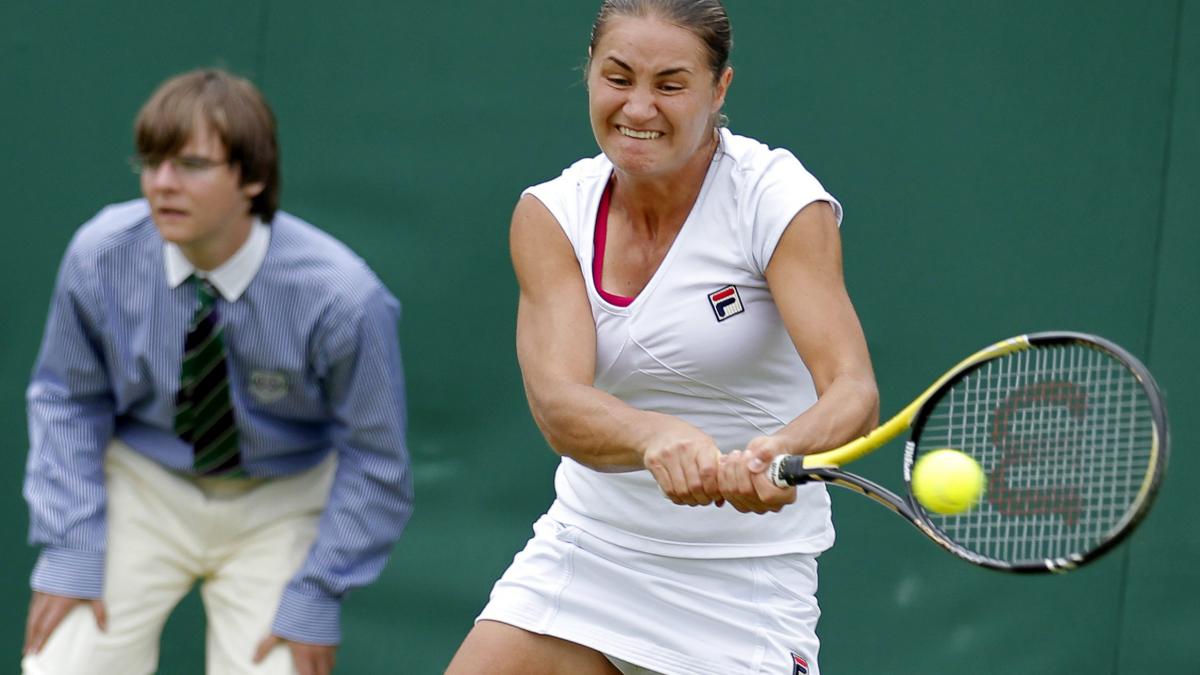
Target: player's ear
[252,190]
[723,82]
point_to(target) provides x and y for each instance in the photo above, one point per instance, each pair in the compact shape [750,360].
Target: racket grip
[787,470]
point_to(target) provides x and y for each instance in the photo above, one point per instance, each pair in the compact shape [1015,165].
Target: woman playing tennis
[683,319]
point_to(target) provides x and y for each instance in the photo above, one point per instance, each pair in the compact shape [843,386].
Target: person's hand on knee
[309,659]
[46,611]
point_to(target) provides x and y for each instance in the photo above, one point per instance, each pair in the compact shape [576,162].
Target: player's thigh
[494,647]
[77,646]
[242,594]
[267,533]
[149,566]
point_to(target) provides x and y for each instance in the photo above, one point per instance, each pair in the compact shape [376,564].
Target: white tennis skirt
[652,613]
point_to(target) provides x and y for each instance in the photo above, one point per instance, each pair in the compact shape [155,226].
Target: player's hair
[706,19]
[235,110]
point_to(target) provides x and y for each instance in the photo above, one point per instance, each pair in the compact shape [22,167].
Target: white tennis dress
[703,341]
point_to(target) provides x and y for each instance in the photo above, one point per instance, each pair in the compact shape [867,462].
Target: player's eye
[191,164]
[142,163]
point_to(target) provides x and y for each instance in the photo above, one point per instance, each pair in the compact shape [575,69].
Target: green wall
[1006,166]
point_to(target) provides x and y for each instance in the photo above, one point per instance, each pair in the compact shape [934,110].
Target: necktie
[204,414]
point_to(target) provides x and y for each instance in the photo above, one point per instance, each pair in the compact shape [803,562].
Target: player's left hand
[744,481]
[309,659]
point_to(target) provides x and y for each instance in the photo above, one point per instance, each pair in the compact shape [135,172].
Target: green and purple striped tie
[204,416]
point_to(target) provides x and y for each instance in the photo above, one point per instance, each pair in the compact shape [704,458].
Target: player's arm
[371,497]
[70,410]
[556,348]
[806,282]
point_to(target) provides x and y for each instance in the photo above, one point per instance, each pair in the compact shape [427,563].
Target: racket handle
[787,470]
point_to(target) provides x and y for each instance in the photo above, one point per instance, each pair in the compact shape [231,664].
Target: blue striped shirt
[314,366]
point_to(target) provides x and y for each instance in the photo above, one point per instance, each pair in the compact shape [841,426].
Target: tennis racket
[1070,429]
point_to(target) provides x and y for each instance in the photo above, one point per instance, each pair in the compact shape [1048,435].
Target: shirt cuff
[70,573]
[303,618]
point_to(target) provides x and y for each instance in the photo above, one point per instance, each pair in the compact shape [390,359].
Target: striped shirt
[314,367]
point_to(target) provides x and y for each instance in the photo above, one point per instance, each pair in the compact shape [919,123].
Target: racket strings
[1066,436]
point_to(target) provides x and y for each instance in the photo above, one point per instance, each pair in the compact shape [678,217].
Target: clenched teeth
[644,135]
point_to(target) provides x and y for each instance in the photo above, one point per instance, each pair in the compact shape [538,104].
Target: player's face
[195,195]
[652,95]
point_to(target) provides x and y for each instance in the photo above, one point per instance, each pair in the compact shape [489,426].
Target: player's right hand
[744,480]
[686,464]
[46,611]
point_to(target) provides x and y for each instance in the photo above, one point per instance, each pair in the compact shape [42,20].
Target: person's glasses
[184,165]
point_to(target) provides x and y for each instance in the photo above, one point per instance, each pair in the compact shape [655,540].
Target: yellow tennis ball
[947,481]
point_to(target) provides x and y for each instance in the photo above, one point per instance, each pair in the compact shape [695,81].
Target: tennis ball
[947,481]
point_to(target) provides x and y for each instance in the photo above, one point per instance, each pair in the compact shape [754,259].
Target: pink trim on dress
[598,239]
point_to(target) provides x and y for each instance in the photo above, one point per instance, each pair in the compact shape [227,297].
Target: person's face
[652,97]
[195,196]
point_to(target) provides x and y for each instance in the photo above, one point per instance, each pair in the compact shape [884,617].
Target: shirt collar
[234,275]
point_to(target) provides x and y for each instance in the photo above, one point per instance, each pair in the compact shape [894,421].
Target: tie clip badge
[726,302]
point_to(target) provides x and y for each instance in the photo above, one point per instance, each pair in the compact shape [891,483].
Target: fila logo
[726,302]
[799,665]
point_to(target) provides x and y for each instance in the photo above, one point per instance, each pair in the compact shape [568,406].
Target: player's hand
[46,611]
[744,481]
[686,464]
[309,659]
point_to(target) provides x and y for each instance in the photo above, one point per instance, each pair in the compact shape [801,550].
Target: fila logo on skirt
[726,302]
[799,665]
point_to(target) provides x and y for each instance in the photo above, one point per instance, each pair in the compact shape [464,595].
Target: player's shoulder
[755,169]
[588,168]
[580,172]
[312,261]
[115,226]
[564,195]
[752,157]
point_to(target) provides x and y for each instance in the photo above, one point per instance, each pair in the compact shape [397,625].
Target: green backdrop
[1006,166]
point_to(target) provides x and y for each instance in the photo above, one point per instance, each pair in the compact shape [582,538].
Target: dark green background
[1006,166]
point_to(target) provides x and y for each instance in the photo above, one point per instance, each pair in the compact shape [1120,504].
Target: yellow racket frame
[902,420]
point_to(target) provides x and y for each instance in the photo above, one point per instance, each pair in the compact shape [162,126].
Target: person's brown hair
[706,19]
[234,109]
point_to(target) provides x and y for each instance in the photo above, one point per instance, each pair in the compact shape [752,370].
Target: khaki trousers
[243,539]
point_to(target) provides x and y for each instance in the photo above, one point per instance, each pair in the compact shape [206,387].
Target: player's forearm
[847,409]
[371,498]
[70,403]
[593,427]
[370,502]
[64,483]
[66,519]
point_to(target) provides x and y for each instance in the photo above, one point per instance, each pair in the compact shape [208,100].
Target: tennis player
[683,319]
[218,398]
